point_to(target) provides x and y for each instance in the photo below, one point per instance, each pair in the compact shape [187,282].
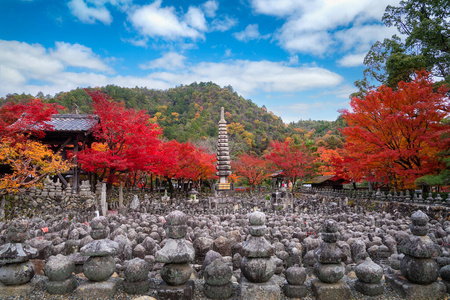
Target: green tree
[425,23]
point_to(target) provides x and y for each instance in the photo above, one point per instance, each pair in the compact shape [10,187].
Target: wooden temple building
[71,133]
[330,182]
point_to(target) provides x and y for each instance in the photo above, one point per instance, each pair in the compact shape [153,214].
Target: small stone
[136,270]
[217,273]
[369,272]
[99,268]
[176,274]
[257,218]
[100,248]
[59,268]
[295,275]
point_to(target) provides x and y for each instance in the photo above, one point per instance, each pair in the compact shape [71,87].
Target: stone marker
[217,280]
[176,255]
[369,278]
[60,278]
[17,271]
[100,265]
[329,267]
[418,268]
[257,266]
[136,276]
[295,277]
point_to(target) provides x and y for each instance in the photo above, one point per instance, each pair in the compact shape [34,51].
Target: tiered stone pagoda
[257,266]
[100,265]
[16,271]
[223,154]
[177,254]
[329,267]
[420,271]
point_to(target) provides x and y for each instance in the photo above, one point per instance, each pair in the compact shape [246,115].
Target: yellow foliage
[30,161]
[158,114]
[161,108]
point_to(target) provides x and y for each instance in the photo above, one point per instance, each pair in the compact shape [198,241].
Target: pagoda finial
[222,114]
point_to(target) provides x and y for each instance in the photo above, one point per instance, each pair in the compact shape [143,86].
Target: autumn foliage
[294,160]
[129,141]
[251,167]
[29,161]
[394,136]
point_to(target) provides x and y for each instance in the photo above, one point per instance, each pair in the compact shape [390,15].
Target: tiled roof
[320,179]
[73,122]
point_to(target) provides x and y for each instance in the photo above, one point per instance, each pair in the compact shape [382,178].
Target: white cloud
[169,61]
[156,21]
[352,60]
[223,23]
[31,68]
[276,7]
[87,14]
[90,11]
[251,32]
[77,55]
[210,7]
[321,26]
[22,63]
[196,19]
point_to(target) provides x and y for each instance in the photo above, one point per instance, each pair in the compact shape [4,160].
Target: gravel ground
[41,294]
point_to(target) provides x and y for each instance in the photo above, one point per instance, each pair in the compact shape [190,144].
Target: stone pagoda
[223,155]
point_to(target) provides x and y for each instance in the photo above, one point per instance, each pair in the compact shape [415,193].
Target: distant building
[71,133]
[330,182]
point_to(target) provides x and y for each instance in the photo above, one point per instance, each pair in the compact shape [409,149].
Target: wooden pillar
[75,168]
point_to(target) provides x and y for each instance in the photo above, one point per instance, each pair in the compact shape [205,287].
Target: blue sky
[299,58]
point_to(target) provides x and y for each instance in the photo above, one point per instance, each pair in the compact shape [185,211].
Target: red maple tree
[128,140]
[394,136]
[294,160]
[251,167]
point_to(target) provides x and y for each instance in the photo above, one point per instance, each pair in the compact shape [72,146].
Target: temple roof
[73,122]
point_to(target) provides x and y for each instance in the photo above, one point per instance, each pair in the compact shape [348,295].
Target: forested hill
[191,113]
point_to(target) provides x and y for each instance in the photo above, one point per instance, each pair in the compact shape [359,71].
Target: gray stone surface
[330,291]
[369,289]
[217,273]
[136,287]
[167,292]
[99,268]
[269,290]
[412,291]
[294,291]
[258,270]
[59,268]
[176,274]
[17,273]
[176,251]
[369,272]
[136,270]
[103,289]
[100,248]
[218,291]
[61,287]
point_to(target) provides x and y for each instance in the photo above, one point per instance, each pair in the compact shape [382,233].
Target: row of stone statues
[416,279]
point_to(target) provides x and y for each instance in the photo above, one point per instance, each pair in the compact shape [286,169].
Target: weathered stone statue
[177,254]
[369,278]
[100,265]
[60,278]
[217,280]
[295,287]
[329,267]
[257,266]
[420,271]
[17,271]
